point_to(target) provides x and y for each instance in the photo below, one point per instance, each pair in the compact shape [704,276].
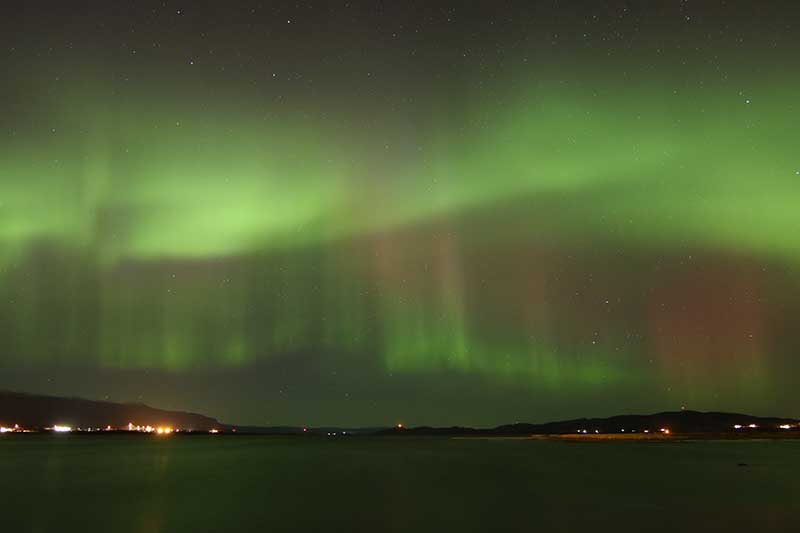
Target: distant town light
[62,429]
[6,430]
[752,426]
[214,431]
[737,426]
[785,426]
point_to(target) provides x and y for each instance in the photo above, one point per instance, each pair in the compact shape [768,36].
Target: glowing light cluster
[159,430]
[16,428]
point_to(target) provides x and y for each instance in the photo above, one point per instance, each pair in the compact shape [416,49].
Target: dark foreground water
[213,483]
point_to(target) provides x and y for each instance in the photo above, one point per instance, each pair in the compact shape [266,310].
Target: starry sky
[364,213]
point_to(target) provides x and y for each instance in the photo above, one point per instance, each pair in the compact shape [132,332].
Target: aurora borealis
[366,212]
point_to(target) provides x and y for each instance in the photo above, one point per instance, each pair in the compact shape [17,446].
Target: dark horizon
[24,411]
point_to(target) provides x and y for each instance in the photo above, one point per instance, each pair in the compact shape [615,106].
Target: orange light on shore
[161,430]
[214,431]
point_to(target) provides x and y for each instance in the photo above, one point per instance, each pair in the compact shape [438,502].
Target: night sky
[364,213]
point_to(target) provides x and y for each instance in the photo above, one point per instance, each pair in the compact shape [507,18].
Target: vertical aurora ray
[189,209]
[619,222]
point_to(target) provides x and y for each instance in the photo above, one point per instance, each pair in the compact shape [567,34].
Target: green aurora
[572,229]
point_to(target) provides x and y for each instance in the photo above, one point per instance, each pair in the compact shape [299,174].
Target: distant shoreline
[21,412]
[643,437]
[573,438]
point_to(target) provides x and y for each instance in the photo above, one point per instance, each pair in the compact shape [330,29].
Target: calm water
[176,484]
